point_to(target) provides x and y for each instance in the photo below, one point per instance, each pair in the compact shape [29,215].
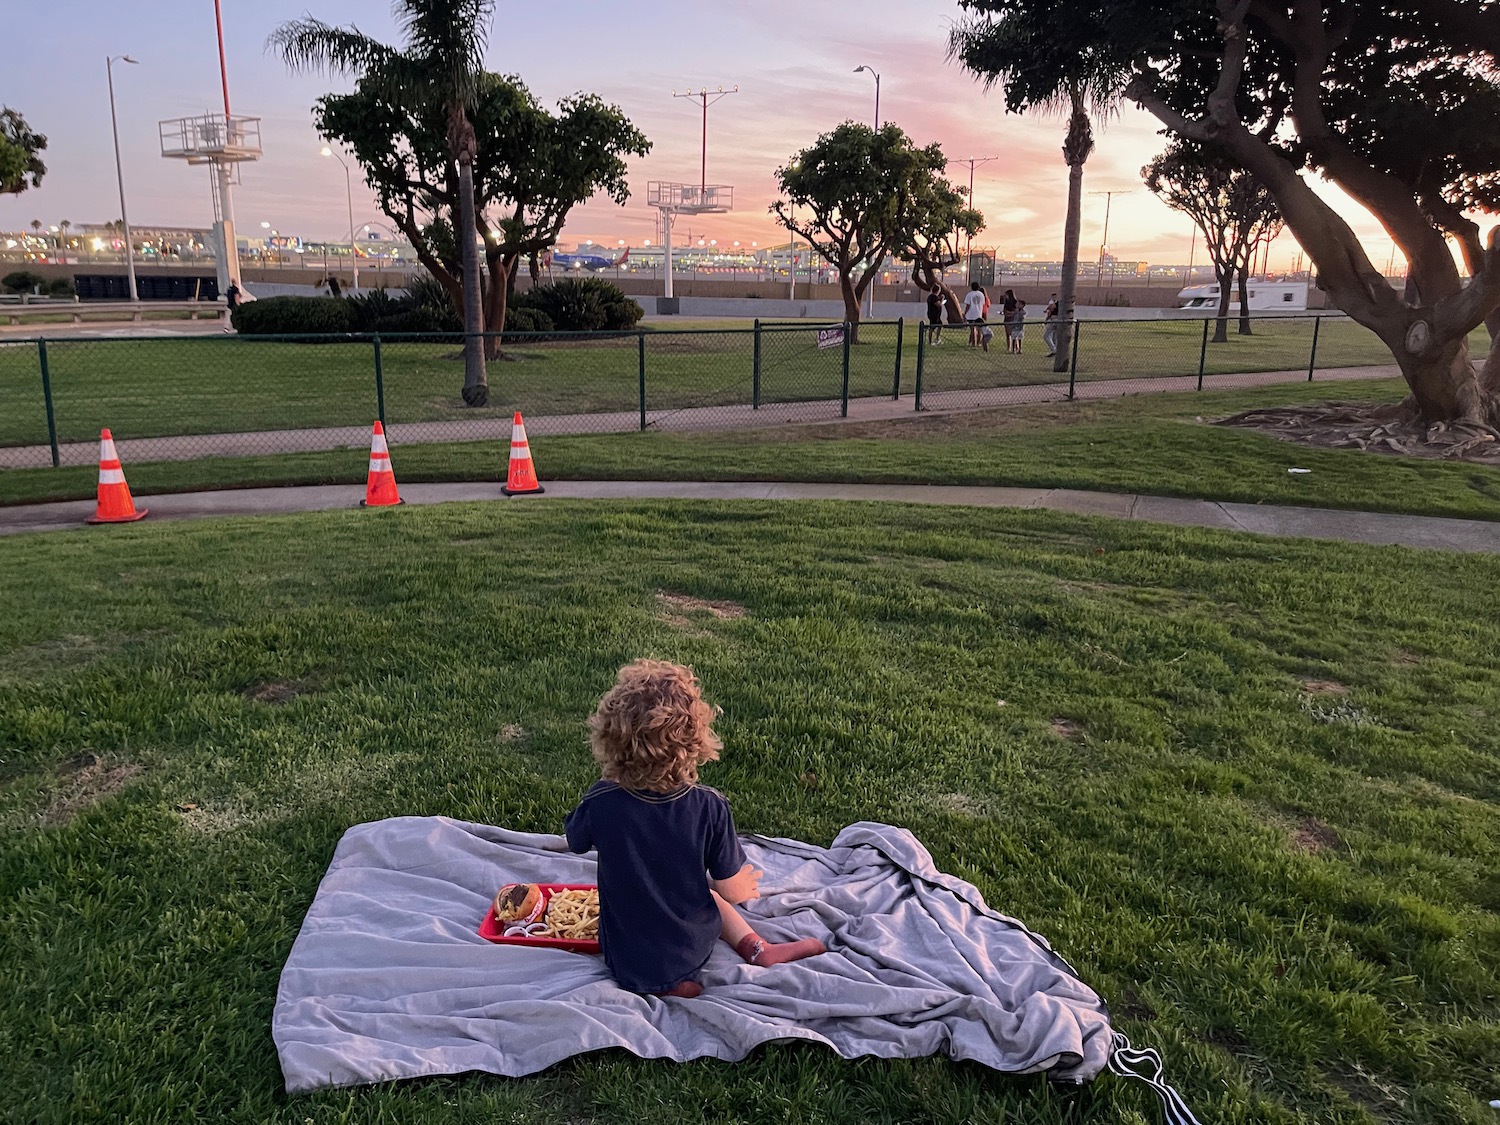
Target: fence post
[41,352]
[755,371]
[921,363]
[848,332]
[1312,360]
[1073,358]
[900,339]
[379,383]
[640,343]
[1203,352]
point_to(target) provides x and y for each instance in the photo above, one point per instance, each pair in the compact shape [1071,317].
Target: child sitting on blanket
[670,864]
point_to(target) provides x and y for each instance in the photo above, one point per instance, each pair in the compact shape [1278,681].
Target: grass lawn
[1156,444]
[1247,786]
[212,384]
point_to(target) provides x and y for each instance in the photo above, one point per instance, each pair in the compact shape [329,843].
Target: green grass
[1154,444]
[215,384]
[1291,891]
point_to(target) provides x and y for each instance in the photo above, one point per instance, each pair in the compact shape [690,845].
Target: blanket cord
[1145,1064]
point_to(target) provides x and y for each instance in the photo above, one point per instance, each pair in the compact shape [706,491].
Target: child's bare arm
[739,887]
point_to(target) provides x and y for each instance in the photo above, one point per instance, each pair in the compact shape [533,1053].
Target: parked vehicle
[1265,296]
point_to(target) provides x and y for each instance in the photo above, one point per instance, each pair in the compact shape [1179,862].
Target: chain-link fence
[182,398]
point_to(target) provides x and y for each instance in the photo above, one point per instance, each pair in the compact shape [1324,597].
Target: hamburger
[519,902]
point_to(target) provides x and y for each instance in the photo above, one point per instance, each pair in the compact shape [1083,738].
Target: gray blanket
[388,977]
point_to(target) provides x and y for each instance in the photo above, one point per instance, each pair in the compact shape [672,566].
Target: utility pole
[973,162]
[1109,198]
[707,97]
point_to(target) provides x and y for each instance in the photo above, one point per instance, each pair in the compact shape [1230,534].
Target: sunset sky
[793,63]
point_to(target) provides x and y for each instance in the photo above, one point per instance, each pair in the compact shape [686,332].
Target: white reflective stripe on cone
[111,476]
[107,450]
[378,466]
[519,453]
[377,444]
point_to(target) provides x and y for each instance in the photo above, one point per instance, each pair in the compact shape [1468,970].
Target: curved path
[1437,533]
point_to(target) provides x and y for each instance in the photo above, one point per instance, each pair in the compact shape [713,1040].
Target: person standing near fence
[1049,332]
[1018,326]
[1008,315]
[974,302]
[935,314]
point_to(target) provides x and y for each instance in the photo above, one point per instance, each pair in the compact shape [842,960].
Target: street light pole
[1109,198]
[109,72]
[349,199]
[871,69]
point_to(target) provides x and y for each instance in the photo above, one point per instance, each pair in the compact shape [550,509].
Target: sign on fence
[830,337]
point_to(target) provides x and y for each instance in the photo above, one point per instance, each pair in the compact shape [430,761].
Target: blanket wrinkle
[388,978]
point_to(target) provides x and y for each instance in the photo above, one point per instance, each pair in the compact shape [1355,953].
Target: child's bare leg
[755,949]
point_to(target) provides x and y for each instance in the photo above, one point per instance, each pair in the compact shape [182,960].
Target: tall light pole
[109,72]
[973,162]
[1109,198]
[349,199]
[871,70]
[707,97]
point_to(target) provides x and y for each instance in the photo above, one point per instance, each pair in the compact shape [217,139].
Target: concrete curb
[1425,532]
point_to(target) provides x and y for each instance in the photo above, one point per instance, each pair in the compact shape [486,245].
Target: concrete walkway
[1262,519]
[252,443]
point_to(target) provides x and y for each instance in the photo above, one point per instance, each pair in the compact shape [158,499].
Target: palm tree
[1082,101]
[990,46]
[62,240]
[441,62]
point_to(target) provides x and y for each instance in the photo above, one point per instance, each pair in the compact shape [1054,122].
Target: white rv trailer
[1265,296]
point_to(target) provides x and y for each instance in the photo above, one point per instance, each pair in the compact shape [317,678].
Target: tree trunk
[1067,289]
[498,296]
[1226,290]
[851,305]
[1244,302]
[1445,384]
[476,390]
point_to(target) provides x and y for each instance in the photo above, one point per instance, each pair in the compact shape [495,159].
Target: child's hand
[740,887]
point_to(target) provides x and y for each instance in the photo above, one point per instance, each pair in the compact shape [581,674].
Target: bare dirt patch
[1314,837]
[276,692]
[676,606]
[960,803]
[88,780]
[511,732]
[1373,429]
[1064,728]
[1324,687]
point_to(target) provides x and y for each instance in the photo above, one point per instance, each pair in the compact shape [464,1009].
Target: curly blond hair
[652,730]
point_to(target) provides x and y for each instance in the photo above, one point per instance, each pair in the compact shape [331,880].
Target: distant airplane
[595,262]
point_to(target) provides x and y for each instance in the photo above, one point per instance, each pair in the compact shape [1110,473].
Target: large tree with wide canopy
[1396,103]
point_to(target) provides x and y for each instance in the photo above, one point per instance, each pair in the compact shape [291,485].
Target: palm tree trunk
[1067,290]
[476,390]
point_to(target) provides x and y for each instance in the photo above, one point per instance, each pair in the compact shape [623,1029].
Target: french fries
[573,915]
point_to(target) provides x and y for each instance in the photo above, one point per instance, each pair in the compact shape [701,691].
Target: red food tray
[491,930]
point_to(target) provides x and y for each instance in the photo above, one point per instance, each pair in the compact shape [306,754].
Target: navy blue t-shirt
[657,851]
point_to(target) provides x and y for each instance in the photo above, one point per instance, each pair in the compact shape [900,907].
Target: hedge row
[587,304]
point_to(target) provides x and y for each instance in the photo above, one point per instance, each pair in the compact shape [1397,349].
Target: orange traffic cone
[522,476]
[115,504]
[380,484]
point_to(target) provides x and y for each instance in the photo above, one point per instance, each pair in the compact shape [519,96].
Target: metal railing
[186,397]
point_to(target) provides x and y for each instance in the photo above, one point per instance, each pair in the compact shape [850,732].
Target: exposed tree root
[1390,428]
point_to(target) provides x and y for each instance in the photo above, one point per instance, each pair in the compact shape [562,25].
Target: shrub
[278,316]
[22,281]
[426,292]
[367,310]
[409,320]
[583,304]
[61,287]
[523,319]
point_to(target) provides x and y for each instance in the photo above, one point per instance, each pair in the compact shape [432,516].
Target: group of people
[976,314]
